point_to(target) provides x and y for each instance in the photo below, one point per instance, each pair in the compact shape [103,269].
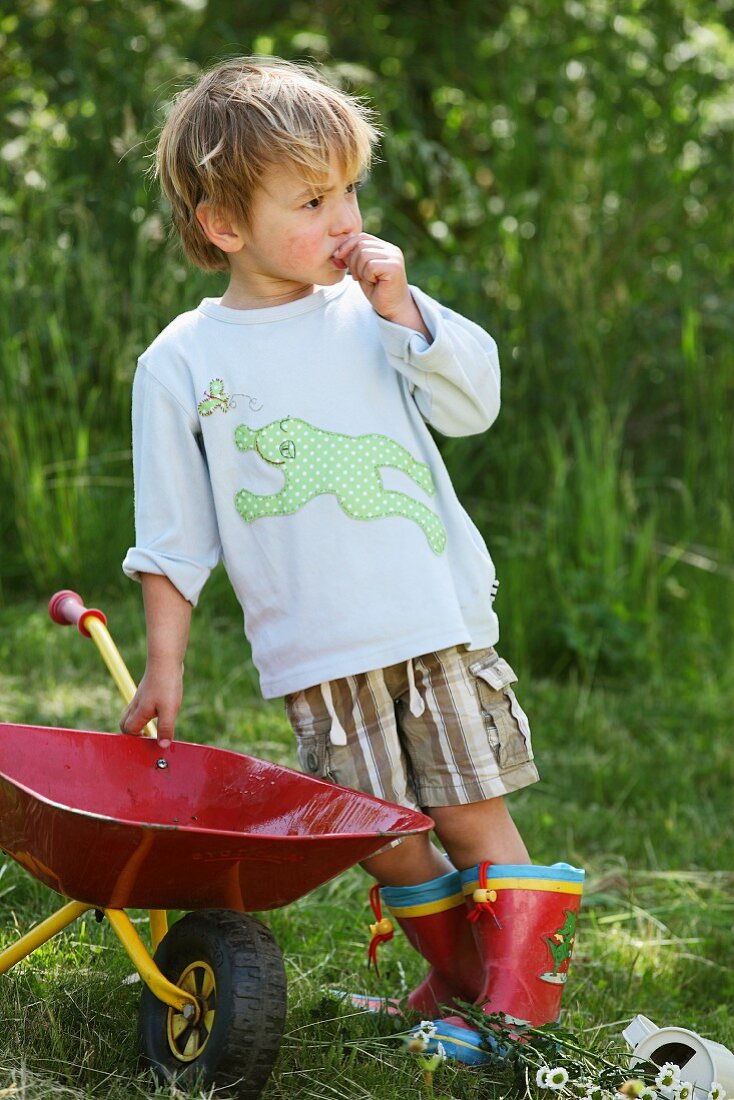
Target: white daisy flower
[441,1051]
[716,1092]
[684,1090]
[648,1093]
[540,1077]
[556,1078]
[426,1029]
[668,1076]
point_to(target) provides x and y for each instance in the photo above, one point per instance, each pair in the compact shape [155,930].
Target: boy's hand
[167,617]
[158,696]
[379,268]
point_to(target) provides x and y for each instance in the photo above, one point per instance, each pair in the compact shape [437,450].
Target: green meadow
[561,173]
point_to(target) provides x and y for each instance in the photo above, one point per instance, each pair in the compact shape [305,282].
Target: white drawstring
[337,733]
[416,703]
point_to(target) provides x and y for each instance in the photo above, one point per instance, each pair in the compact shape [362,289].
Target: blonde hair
[242,118]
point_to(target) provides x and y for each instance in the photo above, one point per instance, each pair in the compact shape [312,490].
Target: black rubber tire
[249,1000]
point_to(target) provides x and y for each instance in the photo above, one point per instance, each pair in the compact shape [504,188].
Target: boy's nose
[346,220]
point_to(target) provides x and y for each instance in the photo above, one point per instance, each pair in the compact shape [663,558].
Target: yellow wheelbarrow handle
[66,609]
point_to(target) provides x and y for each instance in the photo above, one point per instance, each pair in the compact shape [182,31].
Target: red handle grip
[66,609]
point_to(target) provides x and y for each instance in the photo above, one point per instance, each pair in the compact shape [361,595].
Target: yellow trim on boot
[549,885]
[427,908]
[476,1045]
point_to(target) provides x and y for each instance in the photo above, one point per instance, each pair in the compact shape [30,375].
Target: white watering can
[701,1061]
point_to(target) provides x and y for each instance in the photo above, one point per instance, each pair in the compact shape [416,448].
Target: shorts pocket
[312,752]
[312,736]
[506,722]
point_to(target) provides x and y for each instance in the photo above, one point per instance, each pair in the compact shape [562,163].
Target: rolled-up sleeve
[455,380]
[176,533]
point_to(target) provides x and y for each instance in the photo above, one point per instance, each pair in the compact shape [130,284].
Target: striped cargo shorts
[443,729]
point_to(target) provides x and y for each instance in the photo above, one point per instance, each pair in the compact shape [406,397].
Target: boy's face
[293,233]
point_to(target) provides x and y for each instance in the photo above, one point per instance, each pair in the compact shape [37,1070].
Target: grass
[637,788]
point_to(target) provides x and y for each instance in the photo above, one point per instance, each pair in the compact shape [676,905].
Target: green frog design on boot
[314,461]
[560,945]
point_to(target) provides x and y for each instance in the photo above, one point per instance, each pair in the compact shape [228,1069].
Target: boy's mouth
[337,262]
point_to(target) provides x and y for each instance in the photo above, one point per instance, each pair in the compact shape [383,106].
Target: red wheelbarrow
[117,822]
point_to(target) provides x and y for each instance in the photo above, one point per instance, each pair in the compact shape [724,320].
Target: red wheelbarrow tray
[113,821]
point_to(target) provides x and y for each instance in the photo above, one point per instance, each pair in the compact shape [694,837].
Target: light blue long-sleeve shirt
[292,443]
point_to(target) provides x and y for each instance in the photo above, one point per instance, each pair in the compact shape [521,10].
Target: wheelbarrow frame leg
[159,985]
[158,927]
[41,933]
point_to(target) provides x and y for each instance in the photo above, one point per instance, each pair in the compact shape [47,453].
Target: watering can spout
[637,1030]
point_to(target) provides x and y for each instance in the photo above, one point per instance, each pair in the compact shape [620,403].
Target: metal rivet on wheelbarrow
[223,834]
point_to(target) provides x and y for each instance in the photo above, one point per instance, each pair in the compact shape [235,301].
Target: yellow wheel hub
[188,1037]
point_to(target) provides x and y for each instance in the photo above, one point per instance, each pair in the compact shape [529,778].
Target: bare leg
[470,834]
[413,861]
[479,831]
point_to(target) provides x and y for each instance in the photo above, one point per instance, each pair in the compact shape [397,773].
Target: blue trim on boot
[561,872]
[462,1044]
[436,889]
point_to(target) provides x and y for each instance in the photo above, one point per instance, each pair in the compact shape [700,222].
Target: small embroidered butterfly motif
[214,398]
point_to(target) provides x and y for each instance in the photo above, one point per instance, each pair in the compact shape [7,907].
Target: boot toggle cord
[382,930]
[484,898]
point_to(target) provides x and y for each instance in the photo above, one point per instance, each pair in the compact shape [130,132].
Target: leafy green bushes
[559,172]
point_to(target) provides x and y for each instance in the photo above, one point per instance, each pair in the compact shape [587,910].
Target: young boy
[284,429]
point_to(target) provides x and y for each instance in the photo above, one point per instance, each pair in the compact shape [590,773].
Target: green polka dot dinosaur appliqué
[314,461]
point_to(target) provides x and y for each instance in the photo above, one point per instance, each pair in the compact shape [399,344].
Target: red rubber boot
[524,923]
[433,917]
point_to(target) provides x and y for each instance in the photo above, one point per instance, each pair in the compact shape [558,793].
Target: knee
[479,831]
[413,861]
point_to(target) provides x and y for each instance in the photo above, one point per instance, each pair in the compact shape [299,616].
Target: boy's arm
[454,379]
[167,618]
[176,533]
[450,362]
[177,543]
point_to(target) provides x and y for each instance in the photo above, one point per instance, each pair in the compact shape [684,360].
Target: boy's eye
[317,200]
